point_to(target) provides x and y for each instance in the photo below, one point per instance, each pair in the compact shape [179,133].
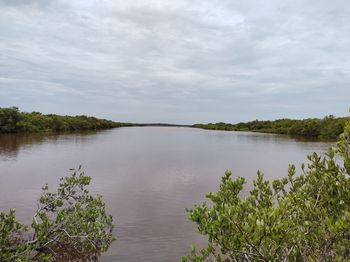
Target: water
[147,175]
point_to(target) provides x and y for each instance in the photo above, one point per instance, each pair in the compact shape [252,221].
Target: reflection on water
[147,175]
[11,144]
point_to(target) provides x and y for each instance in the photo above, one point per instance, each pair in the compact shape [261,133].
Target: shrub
[296,218]
[68,224]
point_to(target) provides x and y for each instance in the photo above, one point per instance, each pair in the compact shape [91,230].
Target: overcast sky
[176,61]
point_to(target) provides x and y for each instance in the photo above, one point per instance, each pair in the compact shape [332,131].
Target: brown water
[147,175]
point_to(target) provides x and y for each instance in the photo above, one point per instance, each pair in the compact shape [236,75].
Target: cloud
[176,61]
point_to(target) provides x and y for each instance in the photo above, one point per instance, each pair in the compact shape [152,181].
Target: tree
[14,121]
[8,119]
[68,224]
[296,218]
[329,127]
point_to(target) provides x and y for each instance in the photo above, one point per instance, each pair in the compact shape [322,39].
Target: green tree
[12,121]
[68,224]
[329,127]
[296,218]
[9,118]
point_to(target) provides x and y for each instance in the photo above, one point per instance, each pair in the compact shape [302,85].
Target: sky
[176,61]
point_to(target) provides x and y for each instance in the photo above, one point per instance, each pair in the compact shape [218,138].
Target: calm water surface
[147,175]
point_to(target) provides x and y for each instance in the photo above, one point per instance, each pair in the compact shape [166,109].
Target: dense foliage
[68,224]
[13,121]
[296,218]
[329,127]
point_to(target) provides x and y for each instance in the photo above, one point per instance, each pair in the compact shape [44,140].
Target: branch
[248,242]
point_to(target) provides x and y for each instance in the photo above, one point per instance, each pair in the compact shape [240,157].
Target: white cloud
[154,60]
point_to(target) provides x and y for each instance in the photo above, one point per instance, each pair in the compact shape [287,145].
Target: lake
[147,176]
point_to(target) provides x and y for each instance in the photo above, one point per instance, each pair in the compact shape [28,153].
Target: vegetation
[68,224]
[14,121]
[329,127]
[296,218]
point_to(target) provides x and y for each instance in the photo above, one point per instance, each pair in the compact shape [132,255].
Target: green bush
[9,118]
[326,128]
[68,224]
[14,121]
[296,218]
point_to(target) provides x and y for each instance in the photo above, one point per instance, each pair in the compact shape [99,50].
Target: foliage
[13,121]
[69,223]
[296,218]
[9,118]
[11,242]
[329,127]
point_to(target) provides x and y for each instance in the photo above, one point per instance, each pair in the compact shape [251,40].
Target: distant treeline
[14,121]
[329,127]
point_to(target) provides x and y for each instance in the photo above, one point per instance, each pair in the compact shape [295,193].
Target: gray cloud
[176,61]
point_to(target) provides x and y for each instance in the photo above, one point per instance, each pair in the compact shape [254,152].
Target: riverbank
[327,128]
[14,121]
